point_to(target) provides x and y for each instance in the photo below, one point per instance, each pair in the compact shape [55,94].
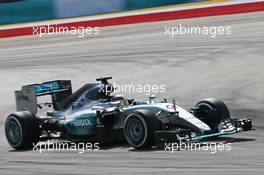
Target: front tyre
[139,128]
[22,130]
[212,111]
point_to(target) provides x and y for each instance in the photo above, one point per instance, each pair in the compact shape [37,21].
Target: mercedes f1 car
[92,113]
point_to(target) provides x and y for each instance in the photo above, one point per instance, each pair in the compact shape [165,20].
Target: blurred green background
[27,10]
[140,4]
[17,11]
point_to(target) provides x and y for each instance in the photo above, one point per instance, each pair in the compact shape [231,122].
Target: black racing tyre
[139,127]
[22,130]
[212,111]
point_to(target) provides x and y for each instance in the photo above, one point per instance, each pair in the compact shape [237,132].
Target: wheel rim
[209,114]
[135,130]
[207,109]
[13,131]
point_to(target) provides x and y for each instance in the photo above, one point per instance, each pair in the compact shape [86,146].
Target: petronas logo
[82,122]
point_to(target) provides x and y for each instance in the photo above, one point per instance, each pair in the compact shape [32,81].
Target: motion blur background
[17,11]
[192,67]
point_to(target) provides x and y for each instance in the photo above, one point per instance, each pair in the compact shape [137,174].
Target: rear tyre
[212,111]
[139,129]
[22,130]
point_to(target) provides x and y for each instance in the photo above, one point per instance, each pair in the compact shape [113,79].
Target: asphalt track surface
[192,67]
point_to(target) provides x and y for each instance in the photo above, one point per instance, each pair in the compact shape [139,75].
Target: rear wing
[26,98]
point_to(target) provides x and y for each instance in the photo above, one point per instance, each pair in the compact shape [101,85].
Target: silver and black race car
[92,113]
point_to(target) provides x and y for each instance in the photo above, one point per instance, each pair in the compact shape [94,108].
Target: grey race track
[192,67]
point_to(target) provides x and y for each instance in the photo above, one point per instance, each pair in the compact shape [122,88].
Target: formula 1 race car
[92,113]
